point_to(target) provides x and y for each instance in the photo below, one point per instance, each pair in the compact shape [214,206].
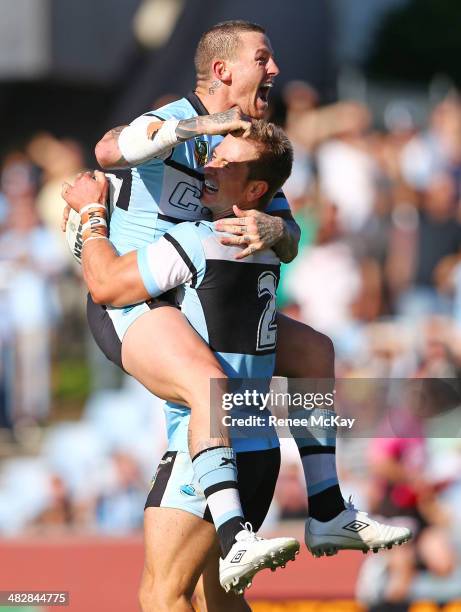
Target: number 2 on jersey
[267,327]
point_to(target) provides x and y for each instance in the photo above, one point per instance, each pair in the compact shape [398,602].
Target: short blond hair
[275,162]
[220,42]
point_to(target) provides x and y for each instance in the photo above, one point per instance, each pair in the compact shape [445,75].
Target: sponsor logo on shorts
[187,490]
[238,556]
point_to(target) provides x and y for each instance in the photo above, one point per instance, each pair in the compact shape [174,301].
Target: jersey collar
[196,103]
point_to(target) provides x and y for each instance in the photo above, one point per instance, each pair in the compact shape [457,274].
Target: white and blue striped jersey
[160,193]
[229,302]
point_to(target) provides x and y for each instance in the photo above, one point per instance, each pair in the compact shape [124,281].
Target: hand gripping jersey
[230,303]
[161,193]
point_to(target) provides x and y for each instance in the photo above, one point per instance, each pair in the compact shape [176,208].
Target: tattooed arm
[146,139]
[255,231]
[286,247]
[232,120]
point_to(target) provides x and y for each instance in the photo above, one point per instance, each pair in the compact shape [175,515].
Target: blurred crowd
[33,263]
[379,270]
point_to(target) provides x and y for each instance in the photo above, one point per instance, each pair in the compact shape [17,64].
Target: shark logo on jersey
[201,151]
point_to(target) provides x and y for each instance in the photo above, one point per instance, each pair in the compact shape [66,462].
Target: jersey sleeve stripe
[196,104]
[185,169]
[185,257]
[170,219]
[147,277]
[151,114]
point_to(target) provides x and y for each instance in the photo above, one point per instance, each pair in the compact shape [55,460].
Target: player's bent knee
[198,381]
[309,354]
[308,340]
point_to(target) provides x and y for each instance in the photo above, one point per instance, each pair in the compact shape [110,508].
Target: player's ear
[221,71]
[256,190]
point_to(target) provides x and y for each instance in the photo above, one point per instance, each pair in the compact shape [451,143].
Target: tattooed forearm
[287,247]
[221,118]
[187,128]
[218,123]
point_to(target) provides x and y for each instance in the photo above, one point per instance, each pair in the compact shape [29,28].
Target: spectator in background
[333,289]
[119,508]
[301,187]
[346,168]
[58,514]
[300,99]
[437,149]
[435,241]
[58,161]
[31,259]
[403,483]
[325,281]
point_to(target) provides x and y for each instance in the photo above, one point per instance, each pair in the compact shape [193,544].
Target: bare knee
[303,352]
[202,374]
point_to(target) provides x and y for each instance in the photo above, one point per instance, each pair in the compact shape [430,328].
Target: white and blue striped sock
[216,470]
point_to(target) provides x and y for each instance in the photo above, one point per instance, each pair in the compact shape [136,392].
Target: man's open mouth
[210,186]
[263,91]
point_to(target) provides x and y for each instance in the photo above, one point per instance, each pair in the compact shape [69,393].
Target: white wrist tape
[94,206]
[136,147]
[94,223]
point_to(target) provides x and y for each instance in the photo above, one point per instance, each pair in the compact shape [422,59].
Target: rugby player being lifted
[180,542]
